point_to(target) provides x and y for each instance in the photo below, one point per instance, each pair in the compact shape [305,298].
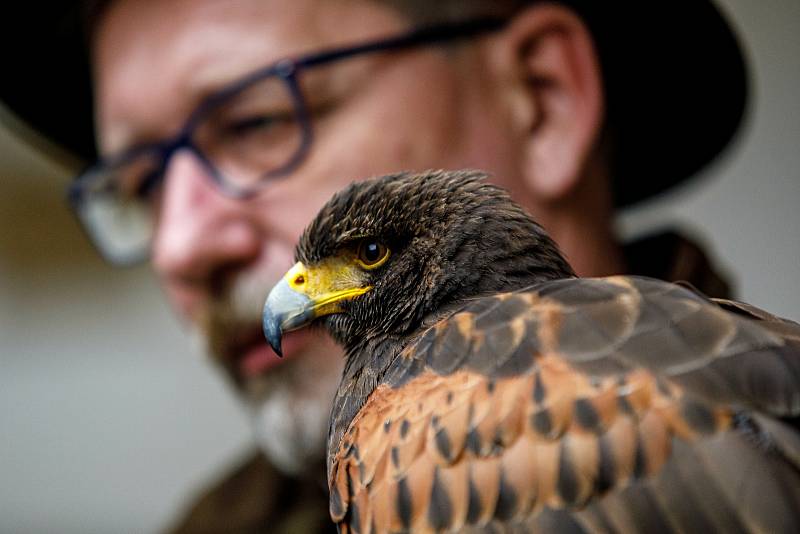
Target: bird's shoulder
[610,327]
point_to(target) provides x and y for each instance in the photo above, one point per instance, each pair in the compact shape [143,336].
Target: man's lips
[259,358]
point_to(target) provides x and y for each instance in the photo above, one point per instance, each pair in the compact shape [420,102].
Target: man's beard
[289,404]
[290,421]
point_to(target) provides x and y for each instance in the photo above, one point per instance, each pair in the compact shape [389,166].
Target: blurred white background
[109,421]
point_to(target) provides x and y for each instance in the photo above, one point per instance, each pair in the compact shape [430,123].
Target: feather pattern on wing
[620,404]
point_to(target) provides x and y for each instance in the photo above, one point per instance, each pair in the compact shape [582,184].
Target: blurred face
[217,257]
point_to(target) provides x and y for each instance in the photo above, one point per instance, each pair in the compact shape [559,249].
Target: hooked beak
[301,296]
[285,310]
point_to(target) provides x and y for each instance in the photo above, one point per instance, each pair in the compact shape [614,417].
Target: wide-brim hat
[674,74]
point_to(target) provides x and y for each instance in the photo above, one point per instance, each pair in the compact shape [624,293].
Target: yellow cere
[327,284]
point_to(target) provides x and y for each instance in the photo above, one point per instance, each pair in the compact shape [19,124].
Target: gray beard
[291,412]
[289,406]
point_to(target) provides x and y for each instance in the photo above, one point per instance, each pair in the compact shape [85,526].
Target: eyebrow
[207,95]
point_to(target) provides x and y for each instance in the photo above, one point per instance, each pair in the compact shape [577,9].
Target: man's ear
[556,95]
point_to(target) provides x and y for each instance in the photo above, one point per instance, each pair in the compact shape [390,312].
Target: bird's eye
[372,254]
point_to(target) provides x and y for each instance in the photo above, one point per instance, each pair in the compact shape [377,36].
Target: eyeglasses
[245,135]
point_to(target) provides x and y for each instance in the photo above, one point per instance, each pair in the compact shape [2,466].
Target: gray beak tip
[271,326]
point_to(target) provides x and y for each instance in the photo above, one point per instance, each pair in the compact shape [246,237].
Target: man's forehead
[154,60]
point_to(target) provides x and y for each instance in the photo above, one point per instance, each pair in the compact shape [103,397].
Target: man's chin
[292,434]
[290,399]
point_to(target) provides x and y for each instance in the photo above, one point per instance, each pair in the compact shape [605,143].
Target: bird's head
[385,256]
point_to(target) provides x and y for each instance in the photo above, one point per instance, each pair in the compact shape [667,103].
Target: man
[216,154]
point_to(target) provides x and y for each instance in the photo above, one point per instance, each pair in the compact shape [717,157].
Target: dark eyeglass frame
[286,70]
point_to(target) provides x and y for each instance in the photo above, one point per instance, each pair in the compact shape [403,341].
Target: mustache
[232,319]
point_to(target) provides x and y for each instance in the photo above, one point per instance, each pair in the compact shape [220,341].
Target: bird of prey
[488,389]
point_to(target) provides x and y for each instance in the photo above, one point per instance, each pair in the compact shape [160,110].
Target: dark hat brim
[675,80]
[47,80]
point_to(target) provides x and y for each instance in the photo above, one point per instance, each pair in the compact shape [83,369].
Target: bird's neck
[360,378]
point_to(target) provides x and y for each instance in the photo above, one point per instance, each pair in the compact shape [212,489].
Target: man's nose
[199,230]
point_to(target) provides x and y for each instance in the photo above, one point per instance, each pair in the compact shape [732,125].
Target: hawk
[487,388]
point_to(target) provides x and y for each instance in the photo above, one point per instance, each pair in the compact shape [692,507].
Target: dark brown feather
[637,381]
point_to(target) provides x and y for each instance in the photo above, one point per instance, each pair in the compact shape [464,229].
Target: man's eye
[141,188]
[149,185]
[138,179]
[257,123]
[319,110]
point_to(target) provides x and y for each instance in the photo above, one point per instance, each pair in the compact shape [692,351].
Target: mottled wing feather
[525,410]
